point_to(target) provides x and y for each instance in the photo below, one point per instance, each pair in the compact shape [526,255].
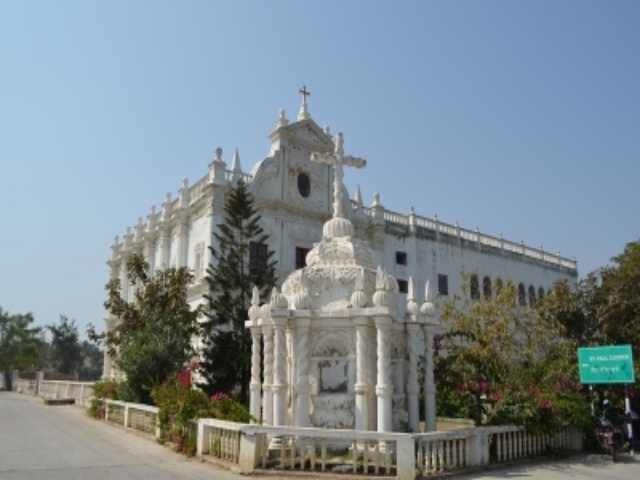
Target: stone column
[166,247]
[429,384]
[303,389]
[362,384]
[413,330]
[183,241]
[150,254]
[267,407]
[430,315]
[384,388]
[254,387]
[280,373]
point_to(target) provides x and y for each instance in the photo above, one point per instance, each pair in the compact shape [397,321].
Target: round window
[304,184]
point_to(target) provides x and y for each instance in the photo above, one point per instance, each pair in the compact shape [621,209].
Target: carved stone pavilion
[336,352]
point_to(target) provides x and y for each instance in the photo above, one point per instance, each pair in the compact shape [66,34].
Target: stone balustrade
[82,392]
[143,418]
[249,448]
[473,236]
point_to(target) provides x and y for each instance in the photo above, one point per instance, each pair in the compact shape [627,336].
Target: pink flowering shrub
[499,364]
[180,403]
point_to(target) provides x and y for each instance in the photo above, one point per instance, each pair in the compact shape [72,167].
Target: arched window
[498,285]
[474,287]
[486,288]
[540,293]
[522,296]
[532,296]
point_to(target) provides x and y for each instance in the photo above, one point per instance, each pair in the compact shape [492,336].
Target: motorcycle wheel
[614,453]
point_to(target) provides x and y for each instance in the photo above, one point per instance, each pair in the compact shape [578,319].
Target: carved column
[254,387]
[384,388]
[182,240]
[303,407]
[429,384]
[362,383]
[267,407]
[430,315]
[280,372]
[150,254]
[413,389]
[166,247]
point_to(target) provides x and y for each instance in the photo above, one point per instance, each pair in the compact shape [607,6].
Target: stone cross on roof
[338,160]
[305,93]
[303,114]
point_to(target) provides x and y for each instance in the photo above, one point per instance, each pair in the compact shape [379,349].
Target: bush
[180,405]
[103,389]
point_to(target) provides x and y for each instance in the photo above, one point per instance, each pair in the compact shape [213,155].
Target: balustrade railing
[475,236]
[250,447]
[143,418]
[81,392]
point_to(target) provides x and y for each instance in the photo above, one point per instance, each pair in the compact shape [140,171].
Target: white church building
[296,197]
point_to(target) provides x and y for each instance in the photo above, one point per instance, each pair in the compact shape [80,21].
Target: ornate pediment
[304,134]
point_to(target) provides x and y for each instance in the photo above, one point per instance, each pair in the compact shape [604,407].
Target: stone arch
[522,295]
[486,288]
[532,296]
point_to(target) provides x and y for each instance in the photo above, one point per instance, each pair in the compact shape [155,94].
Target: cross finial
[305,93]
[338,160]
[304,114]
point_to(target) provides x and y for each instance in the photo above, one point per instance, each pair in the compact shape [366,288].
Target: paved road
[582,467]
[39,442]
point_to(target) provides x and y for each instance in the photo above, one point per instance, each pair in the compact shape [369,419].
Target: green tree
[91,363]
[66,352]
[153,338]
[21,344]
[505,364]
[241,260]
[617,299]
[602,309]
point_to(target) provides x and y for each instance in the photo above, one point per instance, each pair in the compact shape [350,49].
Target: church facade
[295,197]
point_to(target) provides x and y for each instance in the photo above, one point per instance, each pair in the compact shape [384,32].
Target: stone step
[59,401]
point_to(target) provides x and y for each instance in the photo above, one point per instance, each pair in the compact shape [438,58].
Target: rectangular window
[301,257]
[443,285]
[258,256]
[403,286]
[401,258]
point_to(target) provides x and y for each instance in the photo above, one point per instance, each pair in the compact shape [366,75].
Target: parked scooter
[609,434]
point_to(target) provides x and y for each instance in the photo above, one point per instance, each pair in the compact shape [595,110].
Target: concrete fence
[81,392]
[253,448]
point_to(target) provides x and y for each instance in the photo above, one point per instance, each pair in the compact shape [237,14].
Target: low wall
[250,448]
[81,392]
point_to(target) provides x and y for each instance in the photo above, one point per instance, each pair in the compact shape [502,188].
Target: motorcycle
[610,436]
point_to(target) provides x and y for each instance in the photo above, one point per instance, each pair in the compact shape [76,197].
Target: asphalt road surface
[40,442]
[582,467]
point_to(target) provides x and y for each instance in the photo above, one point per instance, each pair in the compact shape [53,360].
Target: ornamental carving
[400,417]
[398,343]
[325,343]
[336,411]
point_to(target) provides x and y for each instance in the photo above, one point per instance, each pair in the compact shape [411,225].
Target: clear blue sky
[521,118]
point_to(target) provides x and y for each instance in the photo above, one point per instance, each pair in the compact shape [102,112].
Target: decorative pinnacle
[254,310]
[338,160]
[304,114]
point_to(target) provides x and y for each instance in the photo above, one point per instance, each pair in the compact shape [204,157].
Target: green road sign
[613,364]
